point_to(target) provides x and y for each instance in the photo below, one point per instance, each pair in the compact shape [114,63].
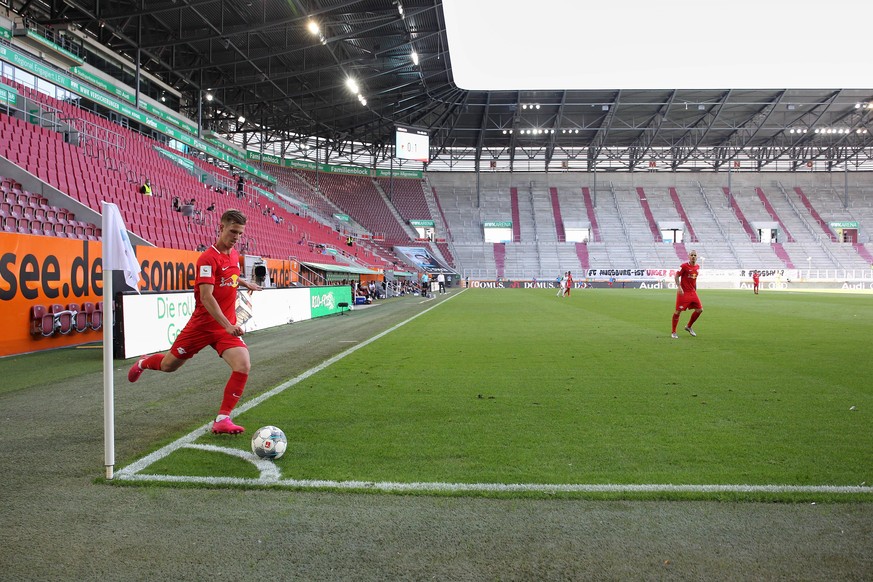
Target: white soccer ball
[269,442]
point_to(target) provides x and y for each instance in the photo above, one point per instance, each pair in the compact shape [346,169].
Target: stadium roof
[262,62]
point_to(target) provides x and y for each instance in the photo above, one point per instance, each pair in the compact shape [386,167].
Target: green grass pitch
[522,387]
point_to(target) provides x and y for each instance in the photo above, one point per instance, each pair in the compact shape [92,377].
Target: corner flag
[118,255]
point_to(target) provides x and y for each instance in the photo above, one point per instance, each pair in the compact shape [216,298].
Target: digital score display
[412,144]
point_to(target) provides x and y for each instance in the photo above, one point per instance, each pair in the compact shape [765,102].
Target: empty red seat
[63,318]
[41,322]
[80,318]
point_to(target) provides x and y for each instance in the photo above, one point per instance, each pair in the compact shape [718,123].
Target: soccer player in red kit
[213,322]
[756,280]
[686,294]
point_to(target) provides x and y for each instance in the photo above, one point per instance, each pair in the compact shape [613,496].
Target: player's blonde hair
[232,215]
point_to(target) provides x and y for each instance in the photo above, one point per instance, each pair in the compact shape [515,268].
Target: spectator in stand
[146,188]
[177,204]
[240,185]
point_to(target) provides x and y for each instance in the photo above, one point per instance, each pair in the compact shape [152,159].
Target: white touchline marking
[270,474]
[390,486]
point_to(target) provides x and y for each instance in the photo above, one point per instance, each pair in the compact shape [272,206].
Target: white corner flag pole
[118,255]
[108,377]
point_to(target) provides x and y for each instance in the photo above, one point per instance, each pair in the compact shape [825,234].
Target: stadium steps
[556,211]
[732,200]
[647,211]
[815,215]
[592,215]
[773,214]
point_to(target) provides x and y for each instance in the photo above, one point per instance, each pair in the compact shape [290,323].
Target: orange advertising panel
[45,283]
[166,269]
[280,272]
[42,272]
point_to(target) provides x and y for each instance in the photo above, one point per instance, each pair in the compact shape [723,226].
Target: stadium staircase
[582,253]
[650,218]
[559,220]
[864,253]
[592,215]
[732,200]
[815,215]
[773,214]
[677,203]
[500,258]
[783,256]
[516,215]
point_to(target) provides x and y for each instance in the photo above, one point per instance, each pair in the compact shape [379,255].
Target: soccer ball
[269,442]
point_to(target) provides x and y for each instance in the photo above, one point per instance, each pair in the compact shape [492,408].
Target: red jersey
[222,272]
[688,277]
[755,278]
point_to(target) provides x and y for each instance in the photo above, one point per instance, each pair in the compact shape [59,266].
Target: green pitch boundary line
[131,470]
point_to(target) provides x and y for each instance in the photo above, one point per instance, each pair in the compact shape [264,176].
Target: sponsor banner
[150,322]
[417,174]
[331,169]
[166,269]
[266,158]
[299,164]
[177,121]
[176,159]
[5,33]
[325,300]
[497,224]
[280,272]
[174,270]
[101,83]
[46,271]
[423,260]
[421,222]
[350,170]
[230,148]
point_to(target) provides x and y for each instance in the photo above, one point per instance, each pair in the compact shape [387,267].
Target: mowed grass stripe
[525,387]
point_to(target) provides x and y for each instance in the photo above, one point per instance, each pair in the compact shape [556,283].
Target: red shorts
[688,301]
[192,339]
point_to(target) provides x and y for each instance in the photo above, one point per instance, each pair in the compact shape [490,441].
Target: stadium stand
[720,221]
[103,171]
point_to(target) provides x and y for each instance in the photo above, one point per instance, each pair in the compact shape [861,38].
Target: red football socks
[153,362]
[233,392]
[675,321]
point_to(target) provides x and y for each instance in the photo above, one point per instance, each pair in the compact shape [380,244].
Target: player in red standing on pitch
[686,294]
[569,285]
[213,322]
[756,281]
